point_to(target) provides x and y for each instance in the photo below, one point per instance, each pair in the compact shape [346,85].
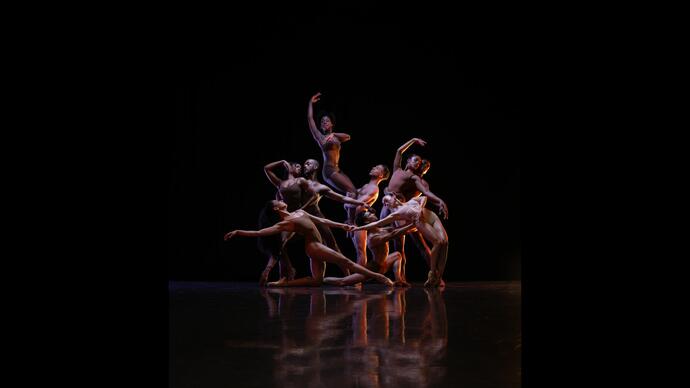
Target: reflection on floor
[240,335]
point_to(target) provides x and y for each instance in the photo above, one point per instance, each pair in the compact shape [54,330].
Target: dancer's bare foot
[279,283]
[388,282]
[402,283]
[432,280]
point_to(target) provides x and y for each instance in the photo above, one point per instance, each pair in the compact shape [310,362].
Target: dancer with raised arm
[405,185]
[291,190]
[330,142]
[427,222]
[303,223]
[404,188]
[381,261]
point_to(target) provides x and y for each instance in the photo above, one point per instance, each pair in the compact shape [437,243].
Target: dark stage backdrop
[385,85]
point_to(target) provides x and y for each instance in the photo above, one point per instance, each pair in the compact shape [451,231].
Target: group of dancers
[295,211]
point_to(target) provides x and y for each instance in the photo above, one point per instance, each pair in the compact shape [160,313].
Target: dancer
[423,188]
[402,186]
[381,260]
[289,190]
[303,223]
[427,222]
[416,236]
[329,143]
[315,190]
[368,193]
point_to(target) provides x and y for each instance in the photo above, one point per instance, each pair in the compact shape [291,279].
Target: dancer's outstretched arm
[384,221]
[268,169]
[402,149]
[329,223]
[442,207]
[395,233]
[315,133]
[327,192]
[282,226]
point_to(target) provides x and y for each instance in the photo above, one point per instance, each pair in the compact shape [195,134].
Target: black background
[459,87]
[156,189]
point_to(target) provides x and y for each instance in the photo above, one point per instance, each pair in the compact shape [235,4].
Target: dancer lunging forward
[303,223]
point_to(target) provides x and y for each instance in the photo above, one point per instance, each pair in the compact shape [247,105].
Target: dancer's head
[424,167]
[391,201]
[380,171]
[295,169]
[364,218]
[413,162]
[327,122]
[275,205]
[310,166]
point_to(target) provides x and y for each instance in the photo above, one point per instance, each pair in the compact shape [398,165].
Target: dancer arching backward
[329,143]
[381,261]
[427,222]
[404,186]
[368,193]
[303,223]
[315,191]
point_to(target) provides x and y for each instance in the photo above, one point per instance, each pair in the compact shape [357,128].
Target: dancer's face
[326,124]
[424,167]
[370,217]
[376,171]
[310,166]
[279,205]
[414,162]
[390,201]
[379,172]
[296,169]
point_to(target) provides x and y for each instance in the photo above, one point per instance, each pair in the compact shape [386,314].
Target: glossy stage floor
[240,335]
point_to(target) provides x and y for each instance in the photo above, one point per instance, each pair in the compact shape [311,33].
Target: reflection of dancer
[435,328]
[302,223]
[368,193]
[381,261]
[384,345]
[394,355]
[427,222]
[312,357]
[329,143]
